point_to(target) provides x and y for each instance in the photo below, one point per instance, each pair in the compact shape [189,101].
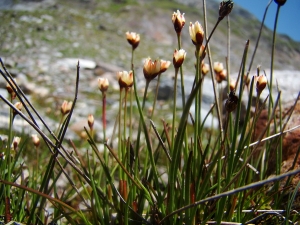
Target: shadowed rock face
[290,142]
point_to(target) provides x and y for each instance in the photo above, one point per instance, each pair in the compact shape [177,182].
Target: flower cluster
[152,69]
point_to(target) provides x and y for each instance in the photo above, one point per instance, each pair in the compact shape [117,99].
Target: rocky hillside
[95,30]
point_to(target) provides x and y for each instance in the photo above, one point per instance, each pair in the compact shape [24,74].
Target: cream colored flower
[221,76]
[218,67]
[178,21]
[133,39]
[125,79]
[66,107]
[103,84]
[164,65]
[261,83]
[91,121]
[16,142]
[35,140]
[196,33]
[178,57]
[232,85]
[205,68]
[151,68]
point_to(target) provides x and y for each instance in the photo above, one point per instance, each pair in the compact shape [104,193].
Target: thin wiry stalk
[258,38]
[273,55]
[181,72]
[155,97]
[255,148]
[174,107]
[210,64]
[232,192]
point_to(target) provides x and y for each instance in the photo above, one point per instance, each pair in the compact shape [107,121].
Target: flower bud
[35,140]
[10,90]
[178,21]
[19,106]
[246,80]
[204,68]
[225,8]
[151,69]
[66,107]
[16,142]
[103,84]
[232,85]
[133,39]
[202,54]
[196,33]
[280,2]
[125,79]
[261,82]
[218,67]
[221,76]
[91,121]
[178,57]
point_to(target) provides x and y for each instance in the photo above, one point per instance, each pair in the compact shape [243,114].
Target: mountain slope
[96,30]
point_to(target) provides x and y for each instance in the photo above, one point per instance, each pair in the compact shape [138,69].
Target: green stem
[155,98]
[272,58]
[181,73]
[139,129]
[8,149]
[131,100]
[174,107]
[104,125]
[126,147]
[120,150]
[210,63]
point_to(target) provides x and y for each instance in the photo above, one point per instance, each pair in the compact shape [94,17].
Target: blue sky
[289,16]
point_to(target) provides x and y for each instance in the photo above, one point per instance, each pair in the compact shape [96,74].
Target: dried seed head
[225,8]
[280,2]
[231,102]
